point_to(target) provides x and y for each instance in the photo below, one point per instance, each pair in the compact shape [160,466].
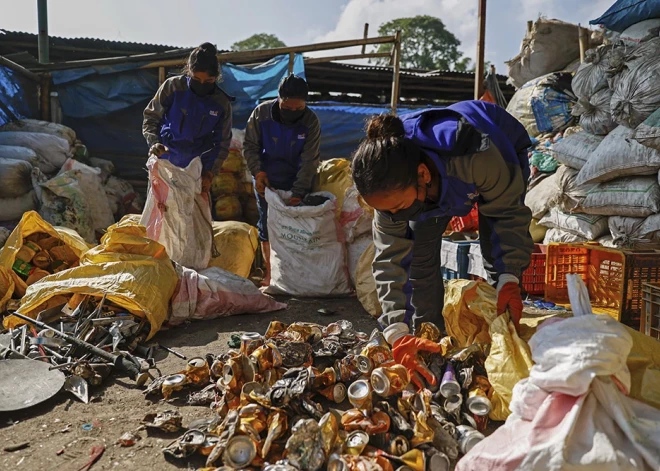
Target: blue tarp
[625,13]
[18,96]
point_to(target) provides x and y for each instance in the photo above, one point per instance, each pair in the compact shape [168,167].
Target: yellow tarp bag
[365,284]
[471,316]
[644,365]
[133,270]
[334,175]
[29,224]
[537,232]
[237,243]
[6,287]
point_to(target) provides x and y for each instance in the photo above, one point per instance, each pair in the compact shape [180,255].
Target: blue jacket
[189,125]
[480,152]
[289,154]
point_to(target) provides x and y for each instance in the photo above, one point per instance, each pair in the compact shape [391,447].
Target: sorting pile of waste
[309,397]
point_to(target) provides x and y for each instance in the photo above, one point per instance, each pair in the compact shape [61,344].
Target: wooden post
[583,37]
[481,40]
[292,58]
[161,75]
[396,51]
[44,97]
[366,35]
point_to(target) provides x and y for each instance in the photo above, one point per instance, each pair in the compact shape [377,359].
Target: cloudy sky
[190,22]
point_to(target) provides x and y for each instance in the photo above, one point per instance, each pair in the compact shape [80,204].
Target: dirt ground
[118,406]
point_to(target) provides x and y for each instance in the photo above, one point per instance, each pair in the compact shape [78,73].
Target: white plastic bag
[591,75]
[572,413]
[559,235]
[587,226]
[89,179]
[354,219]
[176,214]
[574,150]
[214,293]
[628,196]
[619,156]
[52,150]
[307,256]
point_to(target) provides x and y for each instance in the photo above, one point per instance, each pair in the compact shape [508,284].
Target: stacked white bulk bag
[52,151]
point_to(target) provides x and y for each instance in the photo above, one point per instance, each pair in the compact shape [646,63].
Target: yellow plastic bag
[334,175]
[6,287]
[29,224]
[644,365]
[133,270]
[365,284]
[537,232]
[471,317]
[237,243]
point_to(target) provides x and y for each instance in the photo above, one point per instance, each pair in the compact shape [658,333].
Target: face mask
[202,89]
[291,116]
[411,213]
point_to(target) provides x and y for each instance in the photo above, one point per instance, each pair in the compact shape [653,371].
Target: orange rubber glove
[509,299]
[294,201]
[261,182]
[406,352]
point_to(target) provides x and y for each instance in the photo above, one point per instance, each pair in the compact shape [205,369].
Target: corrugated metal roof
[86,43]
[410,72]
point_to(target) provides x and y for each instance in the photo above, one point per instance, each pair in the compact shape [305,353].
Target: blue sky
[188,23]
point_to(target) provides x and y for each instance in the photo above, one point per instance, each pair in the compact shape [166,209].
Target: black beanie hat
[293,86]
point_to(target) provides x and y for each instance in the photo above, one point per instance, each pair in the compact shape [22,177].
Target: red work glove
[261,182]
[509,298]
[406,352]
[207,176]
[294,201]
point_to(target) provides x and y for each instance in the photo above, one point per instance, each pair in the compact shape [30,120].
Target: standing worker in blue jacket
[281,148]
[419,172]
[190,116]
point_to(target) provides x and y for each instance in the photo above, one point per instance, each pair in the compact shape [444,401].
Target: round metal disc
[37,383]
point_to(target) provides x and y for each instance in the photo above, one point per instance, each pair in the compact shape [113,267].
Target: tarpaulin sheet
[18,96]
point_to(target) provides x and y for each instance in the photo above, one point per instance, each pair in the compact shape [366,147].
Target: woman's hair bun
[385,126]
[208,48]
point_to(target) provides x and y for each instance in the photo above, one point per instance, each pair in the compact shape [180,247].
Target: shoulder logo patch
[213,113]
[302,136]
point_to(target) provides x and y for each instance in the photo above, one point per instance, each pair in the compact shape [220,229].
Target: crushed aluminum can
[168,421]
[334,392]
[205,397]
[346,369]
[373,356]
[453,405]
[295,354]
[464,376]
[128,439]
[449,386]
[209,444]
[328,347]
[322,379]
[428,331]
[277,427]
[437,460]
[173,383]
[197,371]
[240,452]
[186,445]
[356,442]
[468,437]
[398,446]
[389,380]
[275,328]
[415,459]
[266,357]
[329,426]
[304,449]
[250,341]
[359,395]
[292,384]
[280,467]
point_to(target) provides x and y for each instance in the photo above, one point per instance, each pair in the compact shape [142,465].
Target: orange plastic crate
[533,279]
[469,223]
[614,278]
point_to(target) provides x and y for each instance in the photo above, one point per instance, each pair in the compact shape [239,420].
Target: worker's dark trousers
[428,291]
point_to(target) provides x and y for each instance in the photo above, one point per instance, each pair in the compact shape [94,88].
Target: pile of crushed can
[277,401]
[86,338]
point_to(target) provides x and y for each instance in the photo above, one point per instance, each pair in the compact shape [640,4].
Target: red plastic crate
[533,279]
[614,278]
[469,223]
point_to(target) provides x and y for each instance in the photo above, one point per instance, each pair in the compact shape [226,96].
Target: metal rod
[19,68]
[42,17]
[318,60]
[481,43]
[396,71]
[176,354]
[292,58]
[365,36]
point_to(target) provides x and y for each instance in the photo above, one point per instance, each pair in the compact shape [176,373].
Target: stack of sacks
[607,189]
[231,187]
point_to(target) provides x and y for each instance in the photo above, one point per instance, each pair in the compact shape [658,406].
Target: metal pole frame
[479,74]
[396,71]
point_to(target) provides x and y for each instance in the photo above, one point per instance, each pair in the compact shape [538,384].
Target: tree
[258,41]
[425,43]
